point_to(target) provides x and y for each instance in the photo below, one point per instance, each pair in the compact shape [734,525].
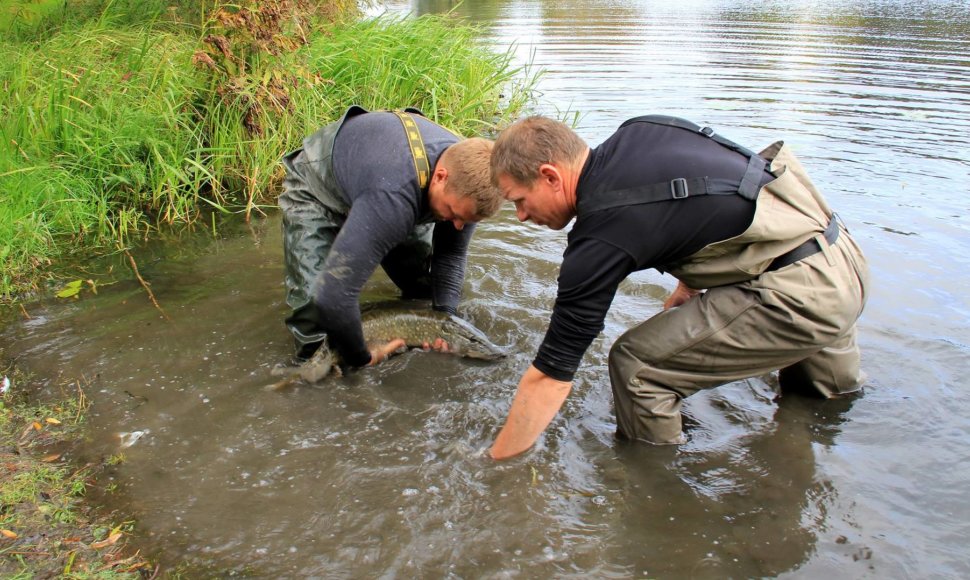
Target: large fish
[417,326]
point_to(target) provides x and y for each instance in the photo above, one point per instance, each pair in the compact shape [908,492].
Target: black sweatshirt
[373,166]
[606,246]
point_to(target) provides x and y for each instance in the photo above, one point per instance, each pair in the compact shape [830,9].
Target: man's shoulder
[661,121]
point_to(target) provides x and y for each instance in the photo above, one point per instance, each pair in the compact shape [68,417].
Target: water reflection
[858,78]
[749,507]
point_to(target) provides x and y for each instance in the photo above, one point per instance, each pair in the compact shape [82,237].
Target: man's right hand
[681,294]
[380,353]
[536,402]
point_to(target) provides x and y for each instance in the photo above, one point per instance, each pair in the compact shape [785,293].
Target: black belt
[809,248]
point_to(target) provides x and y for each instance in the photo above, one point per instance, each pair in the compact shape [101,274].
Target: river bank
[46,528]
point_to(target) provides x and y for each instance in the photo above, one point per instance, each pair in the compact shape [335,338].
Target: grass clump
[97,143]
[433,63]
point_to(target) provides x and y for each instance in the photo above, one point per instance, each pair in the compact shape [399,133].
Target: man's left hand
[380,353]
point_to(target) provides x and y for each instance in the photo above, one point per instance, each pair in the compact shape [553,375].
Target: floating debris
[129,439]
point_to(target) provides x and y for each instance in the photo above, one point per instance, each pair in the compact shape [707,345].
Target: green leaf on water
[71,289]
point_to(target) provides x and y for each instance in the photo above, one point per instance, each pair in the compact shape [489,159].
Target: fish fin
[283,370]
[280,385]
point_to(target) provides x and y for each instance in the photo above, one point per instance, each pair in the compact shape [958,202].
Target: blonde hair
[467,163]
[526,144]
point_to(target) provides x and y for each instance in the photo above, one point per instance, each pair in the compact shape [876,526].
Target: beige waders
[800,318]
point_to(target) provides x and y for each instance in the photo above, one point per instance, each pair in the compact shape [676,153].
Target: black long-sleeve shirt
[374,167]
[606,246]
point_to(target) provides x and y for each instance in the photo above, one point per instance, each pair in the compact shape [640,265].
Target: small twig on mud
[144,285]
[24,310]
[82,403]
[131,563]
[80,469]
[115,565]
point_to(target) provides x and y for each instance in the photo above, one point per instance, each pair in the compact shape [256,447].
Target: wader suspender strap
[416,144]
[809,248]
[681,188]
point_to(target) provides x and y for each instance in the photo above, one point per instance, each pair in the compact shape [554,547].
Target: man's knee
[624,365]
[831,372]
[821,378]
[618,354]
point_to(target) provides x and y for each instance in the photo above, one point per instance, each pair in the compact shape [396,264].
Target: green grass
[110,131]
[27,20]
[435,64]
[91,126]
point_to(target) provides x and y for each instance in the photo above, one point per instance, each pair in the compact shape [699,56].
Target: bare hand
[439,345]
[380,353]
[681,294]
[536,402]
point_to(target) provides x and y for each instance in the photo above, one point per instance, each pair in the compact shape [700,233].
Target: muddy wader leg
[309,229]
[645,409]
[655,365]
[409,264]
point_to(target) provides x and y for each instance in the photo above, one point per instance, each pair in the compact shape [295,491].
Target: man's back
[371,155]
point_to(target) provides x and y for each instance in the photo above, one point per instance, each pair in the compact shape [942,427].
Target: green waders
[800,318]
[314,209]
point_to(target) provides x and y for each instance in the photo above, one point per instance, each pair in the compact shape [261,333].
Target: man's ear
[440,174]
[550,174]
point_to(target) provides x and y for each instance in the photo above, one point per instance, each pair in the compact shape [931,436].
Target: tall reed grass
[435,64]
[92,125]
[109,132]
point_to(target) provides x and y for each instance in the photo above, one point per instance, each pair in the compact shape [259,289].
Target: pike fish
[417,326]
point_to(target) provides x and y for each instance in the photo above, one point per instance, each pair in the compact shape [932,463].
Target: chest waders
[761,312]
[793,237]
[314,208]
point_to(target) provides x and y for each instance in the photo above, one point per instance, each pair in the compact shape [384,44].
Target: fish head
[466,340]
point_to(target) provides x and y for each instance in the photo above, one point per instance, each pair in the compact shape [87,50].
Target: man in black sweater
[380,188]
[783,283]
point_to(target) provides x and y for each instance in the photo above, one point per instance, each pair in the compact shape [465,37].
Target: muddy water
[382,473]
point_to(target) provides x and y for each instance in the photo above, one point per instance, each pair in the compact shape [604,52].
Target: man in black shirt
[783,283]
[377,188]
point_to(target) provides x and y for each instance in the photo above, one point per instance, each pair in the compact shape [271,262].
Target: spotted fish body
[416,326]
[420,327]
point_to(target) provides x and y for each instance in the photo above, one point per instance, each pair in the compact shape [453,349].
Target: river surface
[382,473]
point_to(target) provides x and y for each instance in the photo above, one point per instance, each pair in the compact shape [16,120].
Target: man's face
[450,207]
[542,203]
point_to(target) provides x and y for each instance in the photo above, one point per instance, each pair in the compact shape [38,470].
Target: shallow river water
[382,473]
